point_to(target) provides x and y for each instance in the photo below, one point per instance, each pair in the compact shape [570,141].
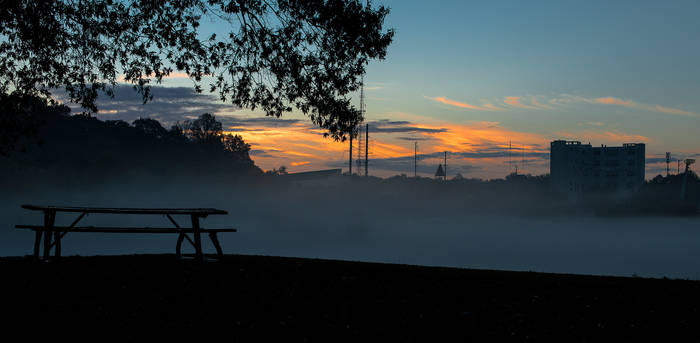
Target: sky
[492,83]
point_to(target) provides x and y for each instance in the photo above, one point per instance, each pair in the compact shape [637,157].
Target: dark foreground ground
[254,298]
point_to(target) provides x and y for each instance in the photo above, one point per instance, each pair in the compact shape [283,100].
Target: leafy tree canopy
[203,129]
[278,54]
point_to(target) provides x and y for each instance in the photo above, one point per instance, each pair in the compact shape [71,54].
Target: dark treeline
[516,194]
[78,149]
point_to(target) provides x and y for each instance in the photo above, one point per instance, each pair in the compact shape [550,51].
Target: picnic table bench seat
[49,230]
[145,229]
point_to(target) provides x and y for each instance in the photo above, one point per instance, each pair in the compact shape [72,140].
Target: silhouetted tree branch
[276,55]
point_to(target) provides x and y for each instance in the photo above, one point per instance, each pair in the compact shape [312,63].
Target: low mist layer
[410,221]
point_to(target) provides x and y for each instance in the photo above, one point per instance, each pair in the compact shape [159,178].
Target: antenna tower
[361,145]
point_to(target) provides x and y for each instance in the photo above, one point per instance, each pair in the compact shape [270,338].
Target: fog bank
[365,220]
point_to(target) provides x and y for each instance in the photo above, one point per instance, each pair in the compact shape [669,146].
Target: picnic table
[53,234]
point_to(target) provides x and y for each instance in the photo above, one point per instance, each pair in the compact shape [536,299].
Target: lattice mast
[361,143]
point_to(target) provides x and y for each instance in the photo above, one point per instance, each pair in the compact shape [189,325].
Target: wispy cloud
[592,123]
[614,101]
[511,102]
[515,102]
[446,101]
[539,105]
[395,126]
[608,100]
[672,110]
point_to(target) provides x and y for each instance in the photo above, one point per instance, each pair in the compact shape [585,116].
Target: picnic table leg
[215,241]
[49,219]
[57,243]
[178,245]
[197,238]
[37,243]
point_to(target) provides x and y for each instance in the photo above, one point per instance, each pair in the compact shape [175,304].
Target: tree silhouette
[203,129]
[18,118]
[277,54]
[150,127]
[236,145]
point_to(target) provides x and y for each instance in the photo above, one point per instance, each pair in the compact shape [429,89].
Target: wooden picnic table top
[127,210]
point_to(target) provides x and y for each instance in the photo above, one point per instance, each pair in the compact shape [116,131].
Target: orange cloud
[302,147]
[614,101]
[470,137]
[515,102]
[672,110]
[446,101]
[609,100]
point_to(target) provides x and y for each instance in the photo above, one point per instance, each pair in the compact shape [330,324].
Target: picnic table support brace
[57,241]
[178,246]
[215,241]
[180,238]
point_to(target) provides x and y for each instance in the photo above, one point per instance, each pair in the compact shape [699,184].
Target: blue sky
[472,76]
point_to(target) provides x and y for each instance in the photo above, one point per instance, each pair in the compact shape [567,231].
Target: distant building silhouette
[582,168]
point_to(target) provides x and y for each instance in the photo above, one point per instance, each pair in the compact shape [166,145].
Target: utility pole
[445,166]
[350,160]
[668,161]
[522,163]
[415,159]
[679,166]
[510,159]
[366,146]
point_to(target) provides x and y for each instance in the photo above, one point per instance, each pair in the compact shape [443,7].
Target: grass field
[255,298]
